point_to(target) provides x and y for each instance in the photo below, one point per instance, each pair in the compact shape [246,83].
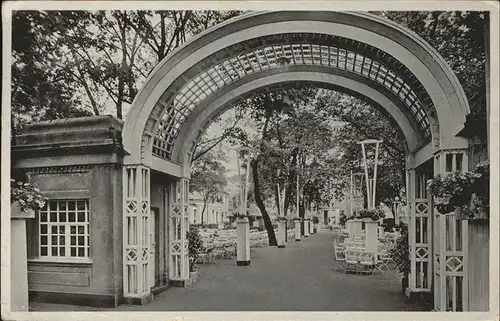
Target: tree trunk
[291,178]
[203,210]
[258,199]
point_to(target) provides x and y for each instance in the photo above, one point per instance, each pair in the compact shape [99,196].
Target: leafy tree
[208,178]
[362,121]
[457,35]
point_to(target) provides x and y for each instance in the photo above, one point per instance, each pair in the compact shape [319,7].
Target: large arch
[396,49]
[358,53]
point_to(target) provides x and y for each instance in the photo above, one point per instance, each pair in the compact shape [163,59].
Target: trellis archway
[355,52]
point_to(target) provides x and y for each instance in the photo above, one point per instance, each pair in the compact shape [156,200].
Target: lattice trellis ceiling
[236,62]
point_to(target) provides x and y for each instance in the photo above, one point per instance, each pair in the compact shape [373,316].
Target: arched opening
[357,53]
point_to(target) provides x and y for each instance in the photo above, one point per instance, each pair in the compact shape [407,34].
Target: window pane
[61,240]
[81,240]
[43,228]
[73,240]
[81,230]
[71,205]
[71,217]
[54,251]
[80,205]
[61,229]
[43,251]
[62,251]
[54,240]
[81,251]
[81,216]
[62,217]
[53,205]
[43,217]
[53,217]
[73,230]
[53,229]
[43,240]
[73,251]
[62,206]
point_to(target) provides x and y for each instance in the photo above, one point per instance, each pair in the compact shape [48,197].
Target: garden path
[299,277]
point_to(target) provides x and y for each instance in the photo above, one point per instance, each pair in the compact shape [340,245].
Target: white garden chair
[340,258]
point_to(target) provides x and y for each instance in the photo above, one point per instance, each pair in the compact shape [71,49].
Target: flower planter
[193,276]
[16,212]
[404,284]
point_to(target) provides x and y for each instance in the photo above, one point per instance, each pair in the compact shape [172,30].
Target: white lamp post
[371,183]
[243,228]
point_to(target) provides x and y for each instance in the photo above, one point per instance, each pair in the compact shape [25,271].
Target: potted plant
[374,214]
[195,247]
[400,254]
[25,199]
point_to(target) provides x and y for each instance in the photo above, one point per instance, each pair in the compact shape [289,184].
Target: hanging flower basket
[466,192]
[26,196]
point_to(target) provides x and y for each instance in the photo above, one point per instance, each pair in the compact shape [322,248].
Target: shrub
[195,247]
[400,253]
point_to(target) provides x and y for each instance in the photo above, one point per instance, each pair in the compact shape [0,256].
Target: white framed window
[64,229]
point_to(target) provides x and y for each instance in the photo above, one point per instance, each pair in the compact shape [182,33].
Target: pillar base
[243,263]
[422,297]
[142,300]
[179,283]
[281,246]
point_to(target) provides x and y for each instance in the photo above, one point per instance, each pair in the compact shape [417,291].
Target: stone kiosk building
[115,227]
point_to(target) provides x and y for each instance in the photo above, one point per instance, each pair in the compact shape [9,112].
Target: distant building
[215,212]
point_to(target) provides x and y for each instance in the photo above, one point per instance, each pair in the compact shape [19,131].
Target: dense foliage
[400,253]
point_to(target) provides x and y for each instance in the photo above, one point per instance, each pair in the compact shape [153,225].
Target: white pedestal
[371,239]
[350,227]
[306,227]
[297,229]
[311,228]
[357,228]
[281,233]
[243,242]
[19,259]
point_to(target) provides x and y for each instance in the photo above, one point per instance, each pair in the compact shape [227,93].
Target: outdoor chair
[359,261]
[383,262]
[340,258]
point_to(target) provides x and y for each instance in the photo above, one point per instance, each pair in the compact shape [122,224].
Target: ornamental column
[136,196]
[178,227]
[450,243]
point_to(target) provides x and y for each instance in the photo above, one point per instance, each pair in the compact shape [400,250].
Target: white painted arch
[423,61]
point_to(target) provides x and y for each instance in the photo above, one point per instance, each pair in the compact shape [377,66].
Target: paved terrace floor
[299,277]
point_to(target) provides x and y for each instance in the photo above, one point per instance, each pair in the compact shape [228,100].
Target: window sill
[54,260]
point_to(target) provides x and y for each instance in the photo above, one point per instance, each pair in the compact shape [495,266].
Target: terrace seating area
[221,244]
[350,254]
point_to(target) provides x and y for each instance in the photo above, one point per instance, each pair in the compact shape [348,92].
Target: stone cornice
[69,169]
